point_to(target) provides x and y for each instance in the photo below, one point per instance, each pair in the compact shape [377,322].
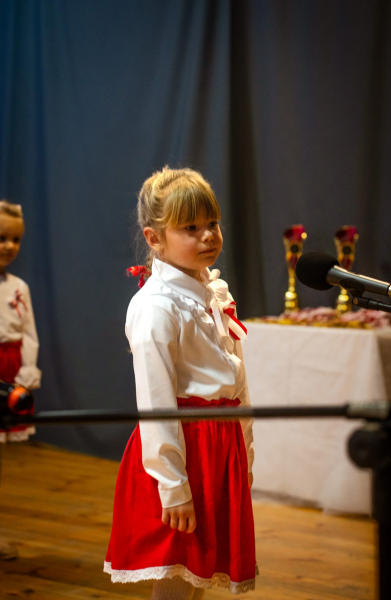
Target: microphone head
[312,269]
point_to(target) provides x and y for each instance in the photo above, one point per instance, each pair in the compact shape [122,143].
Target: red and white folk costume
[18,343]
[184,338]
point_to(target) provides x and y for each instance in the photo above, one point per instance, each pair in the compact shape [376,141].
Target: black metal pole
[64,417]
[370,447]
[382,514]
[365,410]
[370,304]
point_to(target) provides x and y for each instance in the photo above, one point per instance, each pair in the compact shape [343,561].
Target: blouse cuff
[175,496]
[29,377]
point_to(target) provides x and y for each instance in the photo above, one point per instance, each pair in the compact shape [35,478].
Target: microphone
[321,271]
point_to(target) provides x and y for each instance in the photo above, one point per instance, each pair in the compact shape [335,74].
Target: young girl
[182,509]
[18,337]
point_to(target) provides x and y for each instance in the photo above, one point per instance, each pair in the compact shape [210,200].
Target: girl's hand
[180,517]
[250,480]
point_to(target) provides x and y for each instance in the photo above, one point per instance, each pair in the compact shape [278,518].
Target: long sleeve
[247,424]
[29,375]
[153,336]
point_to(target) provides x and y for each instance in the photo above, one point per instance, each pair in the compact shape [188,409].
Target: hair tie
[137,271]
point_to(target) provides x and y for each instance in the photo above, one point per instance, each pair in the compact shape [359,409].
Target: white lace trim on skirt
[217,579]
[16,436]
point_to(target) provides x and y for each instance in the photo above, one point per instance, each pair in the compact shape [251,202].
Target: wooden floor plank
[56,507]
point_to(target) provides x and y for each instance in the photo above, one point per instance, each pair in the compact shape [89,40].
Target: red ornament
[293,241]
[18,300]
[347,233]
[294,233]
[346,238]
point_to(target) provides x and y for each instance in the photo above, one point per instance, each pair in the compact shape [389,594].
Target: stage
[55,506]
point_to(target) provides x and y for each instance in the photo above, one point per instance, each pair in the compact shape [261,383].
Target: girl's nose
[208,234]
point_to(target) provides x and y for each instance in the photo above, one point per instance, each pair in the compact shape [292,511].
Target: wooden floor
[56,507]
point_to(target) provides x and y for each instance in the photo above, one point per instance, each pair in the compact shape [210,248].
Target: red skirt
[10,363]
[221,550]
[10,360]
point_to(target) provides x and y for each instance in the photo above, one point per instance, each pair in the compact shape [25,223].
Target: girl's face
[190,247]
[11,232]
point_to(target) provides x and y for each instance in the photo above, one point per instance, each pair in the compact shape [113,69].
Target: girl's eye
[191,228]
[16,240]
[2,238]
[213,224]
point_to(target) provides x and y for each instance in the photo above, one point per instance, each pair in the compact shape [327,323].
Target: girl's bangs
[183,206]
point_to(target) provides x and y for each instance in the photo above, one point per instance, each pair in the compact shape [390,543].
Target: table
[291,365]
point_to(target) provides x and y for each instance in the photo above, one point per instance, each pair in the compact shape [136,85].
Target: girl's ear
[153,238]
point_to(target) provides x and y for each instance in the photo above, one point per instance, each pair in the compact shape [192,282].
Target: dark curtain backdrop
[283,105]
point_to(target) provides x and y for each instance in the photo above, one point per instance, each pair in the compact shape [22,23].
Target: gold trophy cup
[293,242]
[345,241]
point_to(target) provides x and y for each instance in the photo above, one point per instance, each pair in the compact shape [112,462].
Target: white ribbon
[217,316]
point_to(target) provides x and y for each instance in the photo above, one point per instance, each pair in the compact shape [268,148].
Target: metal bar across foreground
[374,449]
[379,411]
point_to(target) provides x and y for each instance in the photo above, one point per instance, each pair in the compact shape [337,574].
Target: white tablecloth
[307,458]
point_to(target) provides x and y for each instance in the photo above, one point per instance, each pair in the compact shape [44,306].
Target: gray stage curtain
[283,105]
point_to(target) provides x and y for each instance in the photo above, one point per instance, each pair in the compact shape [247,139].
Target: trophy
[293,242]
[345,241]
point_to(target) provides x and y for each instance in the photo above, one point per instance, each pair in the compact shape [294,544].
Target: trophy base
[291,303]
[343,303]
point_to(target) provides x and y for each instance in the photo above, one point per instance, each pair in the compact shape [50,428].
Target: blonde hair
[173,196]
[10,209]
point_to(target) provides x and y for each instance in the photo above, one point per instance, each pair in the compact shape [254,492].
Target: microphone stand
[359,300]
[370,448]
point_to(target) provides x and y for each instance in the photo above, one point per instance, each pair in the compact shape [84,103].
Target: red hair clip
[139,271]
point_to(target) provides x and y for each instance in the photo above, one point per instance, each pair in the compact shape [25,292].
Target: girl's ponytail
[150,257]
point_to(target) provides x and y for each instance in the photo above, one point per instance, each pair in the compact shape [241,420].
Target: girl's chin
[208,263]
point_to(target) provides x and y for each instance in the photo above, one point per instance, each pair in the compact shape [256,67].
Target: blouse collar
[182,283]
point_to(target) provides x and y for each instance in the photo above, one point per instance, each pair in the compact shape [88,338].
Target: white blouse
[17,323]
[178,334]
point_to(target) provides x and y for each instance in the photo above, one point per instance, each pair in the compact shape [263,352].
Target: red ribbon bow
[137,271]
[234,325]
[231,313]
[18,300]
